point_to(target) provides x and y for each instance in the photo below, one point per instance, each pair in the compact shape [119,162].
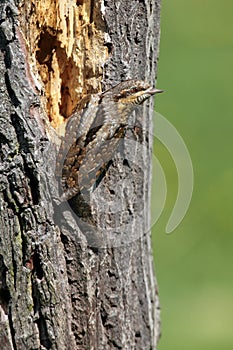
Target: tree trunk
[59,289]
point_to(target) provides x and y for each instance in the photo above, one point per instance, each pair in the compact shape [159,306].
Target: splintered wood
[65,41]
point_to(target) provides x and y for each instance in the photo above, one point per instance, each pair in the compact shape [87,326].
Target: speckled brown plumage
[93,133]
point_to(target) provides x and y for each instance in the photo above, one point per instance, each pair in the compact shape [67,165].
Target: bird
[93,133]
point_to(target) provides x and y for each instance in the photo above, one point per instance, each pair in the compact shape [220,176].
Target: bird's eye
[133,90]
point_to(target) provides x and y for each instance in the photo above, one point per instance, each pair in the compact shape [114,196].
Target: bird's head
[132,92]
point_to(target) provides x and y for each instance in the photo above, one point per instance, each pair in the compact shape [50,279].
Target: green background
[194,263]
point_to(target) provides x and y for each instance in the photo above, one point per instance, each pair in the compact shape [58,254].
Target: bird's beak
[153,91]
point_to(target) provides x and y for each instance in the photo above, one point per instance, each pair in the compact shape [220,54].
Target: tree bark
[59,290]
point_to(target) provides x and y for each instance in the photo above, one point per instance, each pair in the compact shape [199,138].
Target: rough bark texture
[56,291]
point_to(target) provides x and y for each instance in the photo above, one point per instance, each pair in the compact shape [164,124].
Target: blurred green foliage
[194,262]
